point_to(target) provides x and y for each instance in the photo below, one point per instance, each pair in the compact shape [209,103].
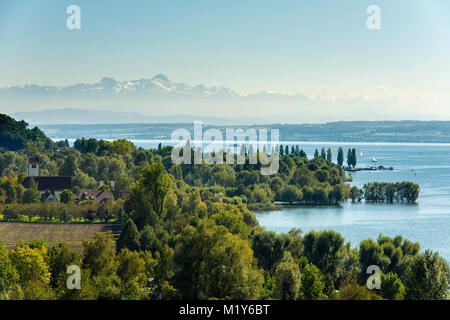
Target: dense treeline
[14,135]
[86,211]
[391,192]
[299,180]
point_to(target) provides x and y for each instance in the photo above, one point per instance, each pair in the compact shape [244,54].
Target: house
[49,187]
[95,195]
[49,197]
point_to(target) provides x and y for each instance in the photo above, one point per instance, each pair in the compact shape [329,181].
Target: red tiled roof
[97,195]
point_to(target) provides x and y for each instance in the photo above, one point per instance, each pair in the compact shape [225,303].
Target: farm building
[95,195]
[49,187]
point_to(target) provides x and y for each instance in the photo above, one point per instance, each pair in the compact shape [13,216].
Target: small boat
[361,154]
[374,159]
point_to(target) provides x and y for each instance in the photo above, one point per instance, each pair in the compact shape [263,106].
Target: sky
[318,48]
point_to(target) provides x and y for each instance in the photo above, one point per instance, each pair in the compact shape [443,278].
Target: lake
[427,222]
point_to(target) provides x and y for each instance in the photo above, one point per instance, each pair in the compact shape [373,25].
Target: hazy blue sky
[284,46]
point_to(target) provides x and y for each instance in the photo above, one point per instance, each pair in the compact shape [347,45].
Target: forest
[15,134]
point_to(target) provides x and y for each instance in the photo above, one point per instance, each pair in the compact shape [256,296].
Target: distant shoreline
[342,133]
[287,142]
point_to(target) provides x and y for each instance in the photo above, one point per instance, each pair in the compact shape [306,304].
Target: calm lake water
[427,222]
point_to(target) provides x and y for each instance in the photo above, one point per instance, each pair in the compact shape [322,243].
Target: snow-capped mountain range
[158,85]
[159,98]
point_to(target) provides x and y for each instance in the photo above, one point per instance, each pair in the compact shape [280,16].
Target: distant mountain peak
[107,80]
[161,77]
[108,83]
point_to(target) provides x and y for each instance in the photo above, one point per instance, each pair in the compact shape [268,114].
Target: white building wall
[33,170]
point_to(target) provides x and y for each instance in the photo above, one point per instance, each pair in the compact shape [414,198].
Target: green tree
[313,281]
[66,196]
[337,194]
[349,158]
[370,253]
[81,180]
[164,269]
[353,291]
[122,186]
[86,145]
[325,250]
[7,272]
[427,277]
[322,175]
[11,191]
[211,262]
[131,267]
[354,158]
[98,255]
[61,257]
[268,249]
[140,158]
[30,264]
[31,195]
[145,202]
[287,279]
[122,217]
[320,195]
[193,205]
[88,291]
[323,153]
[153,240]
[290,194]
[157,184]
[268,287]
[303,177]
[356,194]
[69,166]
[35,290]
[116,147]
[340,156]
[171,206]
[329,155]
[391,287]
[129,237]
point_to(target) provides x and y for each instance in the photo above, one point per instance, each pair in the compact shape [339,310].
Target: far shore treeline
[406,131]
[191,230]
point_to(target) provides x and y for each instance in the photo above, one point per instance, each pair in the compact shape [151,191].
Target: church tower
[33,167]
